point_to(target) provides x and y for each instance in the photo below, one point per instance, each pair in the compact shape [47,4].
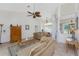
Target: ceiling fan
[34,14]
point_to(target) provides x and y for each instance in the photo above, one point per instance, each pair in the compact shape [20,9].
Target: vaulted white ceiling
[46,9]
[67,9]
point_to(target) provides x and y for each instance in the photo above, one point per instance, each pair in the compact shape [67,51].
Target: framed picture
[26,27]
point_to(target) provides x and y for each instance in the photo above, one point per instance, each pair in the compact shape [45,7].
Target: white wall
[7,18]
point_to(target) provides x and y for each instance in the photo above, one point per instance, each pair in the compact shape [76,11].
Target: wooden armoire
[15,33]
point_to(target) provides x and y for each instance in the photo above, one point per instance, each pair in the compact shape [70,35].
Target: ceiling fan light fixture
[34,16]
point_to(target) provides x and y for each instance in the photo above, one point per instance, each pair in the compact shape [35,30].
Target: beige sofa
[45,47]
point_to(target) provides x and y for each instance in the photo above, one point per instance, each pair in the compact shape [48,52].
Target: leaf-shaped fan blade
[29,12]
[29,15]
[38,15]
[37,12]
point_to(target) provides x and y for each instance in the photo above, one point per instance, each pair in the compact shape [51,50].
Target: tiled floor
[59,51]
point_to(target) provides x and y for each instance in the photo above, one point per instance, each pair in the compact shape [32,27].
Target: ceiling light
[48,24]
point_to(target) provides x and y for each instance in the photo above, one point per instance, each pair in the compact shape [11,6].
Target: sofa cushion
[45,39]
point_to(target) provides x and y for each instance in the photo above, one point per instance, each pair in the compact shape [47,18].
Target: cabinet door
[15,34]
